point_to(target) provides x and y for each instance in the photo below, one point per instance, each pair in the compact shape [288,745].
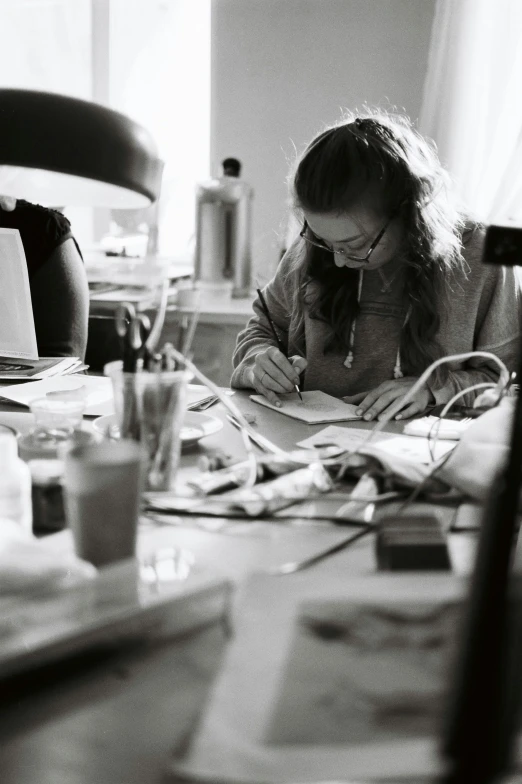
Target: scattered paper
[17,332]
[36,369]
[315,408]
[409,447]
[96,391]
[446,429]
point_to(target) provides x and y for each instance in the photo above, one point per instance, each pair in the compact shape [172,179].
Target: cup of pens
[150,390]
[150,407]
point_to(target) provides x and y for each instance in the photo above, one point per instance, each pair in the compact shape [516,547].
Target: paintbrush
[276,336]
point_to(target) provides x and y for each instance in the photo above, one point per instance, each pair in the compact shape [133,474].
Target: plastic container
[223,231]
[15,484]
[57,426]
[150,408]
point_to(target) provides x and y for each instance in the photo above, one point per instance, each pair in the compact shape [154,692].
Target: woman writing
[385,277]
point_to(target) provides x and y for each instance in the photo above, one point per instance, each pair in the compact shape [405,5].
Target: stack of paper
[44,367]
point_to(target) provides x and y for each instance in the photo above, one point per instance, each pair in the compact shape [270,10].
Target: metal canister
[223,230]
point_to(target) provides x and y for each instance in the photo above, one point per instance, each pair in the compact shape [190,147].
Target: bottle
[47,495]
[15,484]
[223,255]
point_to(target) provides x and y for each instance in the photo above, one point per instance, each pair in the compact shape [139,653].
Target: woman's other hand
[378,402]
[274,374]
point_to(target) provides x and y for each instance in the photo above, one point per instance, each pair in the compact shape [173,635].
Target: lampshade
[58,150]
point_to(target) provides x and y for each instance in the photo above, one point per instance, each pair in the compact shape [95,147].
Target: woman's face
[352,234]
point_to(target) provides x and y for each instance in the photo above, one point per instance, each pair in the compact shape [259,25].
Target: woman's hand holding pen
[274,374]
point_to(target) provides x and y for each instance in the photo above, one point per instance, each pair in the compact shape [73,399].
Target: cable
[436,425]
[411,498]
[504,379]
[227,402]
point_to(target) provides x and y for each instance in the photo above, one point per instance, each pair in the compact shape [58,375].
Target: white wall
[281,69]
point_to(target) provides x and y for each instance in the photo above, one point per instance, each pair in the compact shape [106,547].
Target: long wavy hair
[380,156]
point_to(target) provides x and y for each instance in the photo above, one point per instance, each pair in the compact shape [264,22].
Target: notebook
[316,408]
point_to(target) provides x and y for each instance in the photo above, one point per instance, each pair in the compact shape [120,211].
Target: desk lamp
[479,737]
[55,149]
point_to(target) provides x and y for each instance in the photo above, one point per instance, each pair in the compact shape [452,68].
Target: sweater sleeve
[257,334]
[60,297]
[496,329]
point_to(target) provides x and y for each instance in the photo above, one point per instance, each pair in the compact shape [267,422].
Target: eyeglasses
[341,251]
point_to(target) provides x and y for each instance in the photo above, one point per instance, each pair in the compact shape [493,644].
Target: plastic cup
[57,426]
[150,408]
[102,491]
[56,419]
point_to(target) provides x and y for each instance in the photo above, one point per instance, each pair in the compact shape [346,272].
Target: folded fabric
[482,452]
[26,563]
[404,471]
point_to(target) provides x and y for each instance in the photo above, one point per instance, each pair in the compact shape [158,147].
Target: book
[316,408]
[343,678]
[412,448]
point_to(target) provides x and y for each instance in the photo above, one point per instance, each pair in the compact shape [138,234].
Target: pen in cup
[274,332]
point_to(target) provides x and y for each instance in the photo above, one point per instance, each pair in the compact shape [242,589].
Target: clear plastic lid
[8,448]
[55,418]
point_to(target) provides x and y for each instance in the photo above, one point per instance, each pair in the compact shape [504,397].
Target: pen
[276,336]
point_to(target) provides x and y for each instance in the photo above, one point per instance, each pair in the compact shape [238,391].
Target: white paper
[315,408]
[96,390]
[410,447]
[17,332]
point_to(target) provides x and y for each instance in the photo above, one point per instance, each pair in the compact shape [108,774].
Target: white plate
[195,426]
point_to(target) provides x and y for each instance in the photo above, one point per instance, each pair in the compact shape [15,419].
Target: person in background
[57,278]
[385,277]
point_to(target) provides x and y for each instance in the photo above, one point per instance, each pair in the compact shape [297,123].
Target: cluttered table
[122,714]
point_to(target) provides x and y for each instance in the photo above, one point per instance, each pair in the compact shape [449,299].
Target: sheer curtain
[46,45]
[160,76]
[472,105]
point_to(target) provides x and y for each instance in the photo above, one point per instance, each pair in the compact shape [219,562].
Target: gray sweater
[481,312]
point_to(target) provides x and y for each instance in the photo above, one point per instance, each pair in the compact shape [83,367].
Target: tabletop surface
[118,719]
